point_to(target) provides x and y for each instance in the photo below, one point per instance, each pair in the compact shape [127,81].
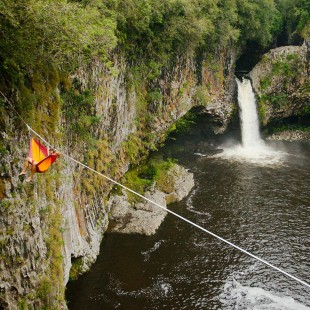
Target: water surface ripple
[263,209]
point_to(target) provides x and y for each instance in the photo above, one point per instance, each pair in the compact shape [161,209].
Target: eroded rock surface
[281,81]
[144,217]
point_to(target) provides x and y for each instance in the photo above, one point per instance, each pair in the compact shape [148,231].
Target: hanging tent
[39,153]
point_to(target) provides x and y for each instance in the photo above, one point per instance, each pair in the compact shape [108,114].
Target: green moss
[5,204]
[265,83]
[2,243]
[135,182]
[201,96]
[154,95]
[305,111]
[142,177]
[133,148]
[3,149]
[262,107]
[39,101]
[22,304]
[287,72]
[286,69]
[289,67]
[154,70]
[45,290]
[76,268]
[290,127]
[183,124]
[79,112]
[278,100]
[50,290]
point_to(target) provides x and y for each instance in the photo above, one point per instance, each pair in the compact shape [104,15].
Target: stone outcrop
[144,217]
[140,217]
[281,82]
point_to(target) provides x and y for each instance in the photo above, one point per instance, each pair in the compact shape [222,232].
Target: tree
[295,17]
[257,20]
[52,31]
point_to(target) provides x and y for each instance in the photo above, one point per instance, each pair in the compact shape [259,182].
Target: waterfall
[253,148]
[248,116]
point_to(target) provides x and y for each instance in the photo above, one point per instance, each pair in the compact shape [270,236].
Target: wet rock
[265,66]
[203,152]
[219,113]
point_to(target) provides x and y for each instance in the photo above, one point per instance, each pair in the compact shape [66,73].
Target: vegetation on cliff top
[295,17]
[65,32]
[43,41]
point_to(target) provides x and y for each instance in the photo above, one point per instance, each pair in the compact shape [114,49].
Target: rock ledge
[144,217]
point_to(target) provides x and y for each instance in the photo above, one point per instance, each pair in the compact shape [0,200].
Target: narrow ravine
[262,207]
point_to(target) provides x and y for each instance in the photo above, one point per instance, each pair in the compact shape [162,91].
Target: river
[261,205]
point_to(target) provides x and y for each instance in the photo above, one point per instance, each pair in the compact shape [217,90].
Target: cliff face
[110,117]
[281,82]
[107,116]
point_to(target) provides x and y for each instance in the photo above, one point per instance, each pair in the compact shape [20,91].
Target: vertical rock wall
[62,216]
[281,82]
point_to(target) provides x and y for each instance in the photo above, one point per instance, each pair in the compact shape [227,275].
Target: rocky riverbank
[144,217]
[290,135]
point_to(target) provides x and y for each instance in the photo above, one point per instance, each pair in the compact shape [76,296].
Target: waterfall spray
[253,148]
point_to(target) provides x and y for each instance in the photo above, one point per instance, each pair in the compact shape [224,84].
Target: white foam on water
[200,154]
[190,206]
[191,209]
[147,254]
[261,156]
[166,288]
[160,289]
[237,296]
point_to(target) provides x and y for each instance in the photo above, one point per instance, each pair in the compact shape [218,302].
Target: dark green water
[262,206]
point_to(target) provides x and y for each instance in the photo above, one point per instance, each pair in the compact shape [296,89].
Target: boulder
[142,216]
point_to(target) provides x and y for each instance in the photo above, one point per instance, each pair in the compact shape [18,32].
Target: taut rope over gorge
[158,205]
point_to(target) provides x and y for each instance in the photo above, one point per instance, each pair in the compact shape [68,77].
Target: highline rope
[161,207]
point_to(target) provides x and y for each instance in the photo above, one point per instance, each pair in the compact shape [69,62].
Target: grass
[76,268]
[291,127]
[142,177]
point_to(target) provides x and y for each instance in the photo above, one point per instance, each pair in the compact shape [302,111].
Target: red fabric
[44,164]
[53,157]
[39,153]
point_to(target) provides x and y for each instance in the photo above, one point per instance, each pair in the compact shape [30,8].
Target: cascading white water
[253,148]
[248,115]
